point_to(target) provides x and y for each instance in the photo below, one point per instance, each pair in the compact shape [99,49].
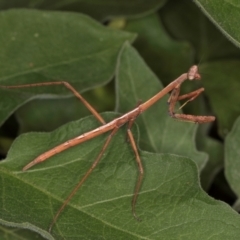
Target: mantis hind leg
[140,169]
[84,178]
[68,86]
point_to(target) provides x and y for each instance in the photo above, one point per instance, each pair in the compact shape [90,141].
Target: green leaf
[102,206]
[219,13]
[165,136]
[165,56]
[72,47]
[171,203]
[232,166]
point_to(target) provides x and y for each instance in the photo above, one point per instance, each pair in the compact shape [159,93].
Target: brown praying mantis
[114,125]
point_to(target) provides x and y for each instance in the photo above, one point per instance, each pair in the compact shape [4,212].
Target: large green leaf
[72,47]
[170,195]
[171,203]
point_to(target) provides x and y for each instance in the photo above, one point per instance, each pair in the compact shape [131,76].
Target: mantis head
[193,73]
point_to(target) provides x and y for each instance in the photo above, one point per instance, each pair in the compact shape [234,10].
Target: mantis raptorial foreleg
[174,97]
